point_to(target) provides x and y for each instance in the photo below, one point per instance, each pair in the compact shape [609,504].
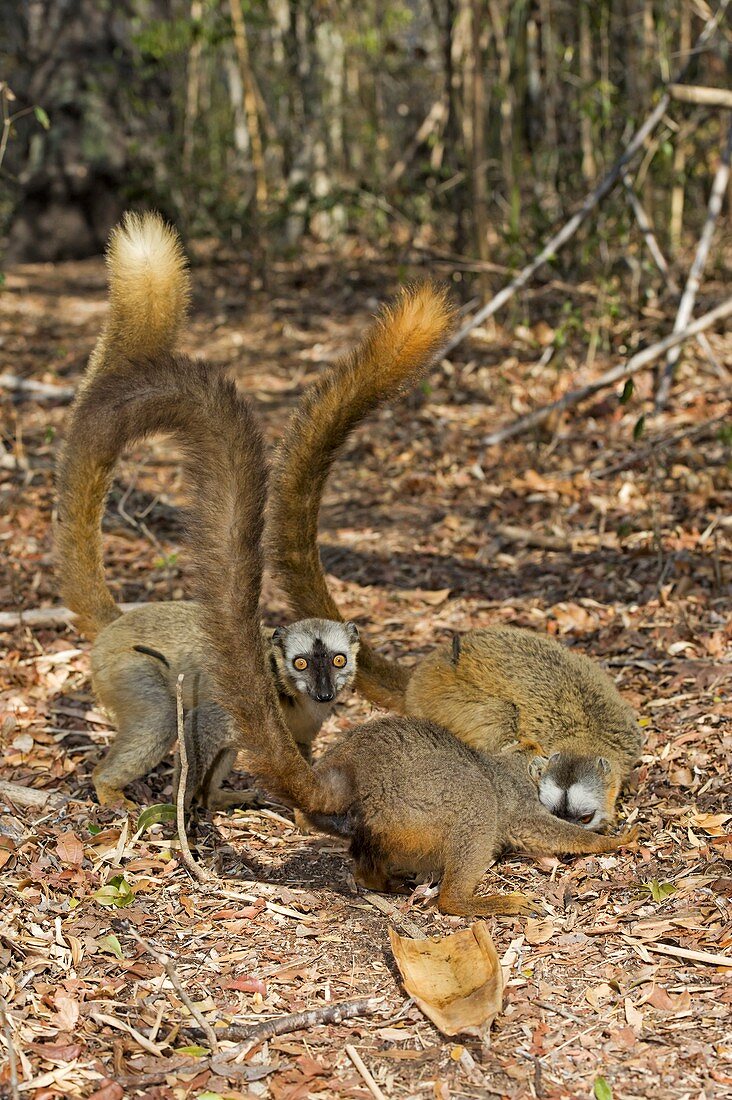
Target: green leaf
[111,944]
[209,1096]
[639,426]
[42,117]
[627,391]
[94,829]
[153,815]
[117,892]
[659,891]
[194,1050]
[602,1089]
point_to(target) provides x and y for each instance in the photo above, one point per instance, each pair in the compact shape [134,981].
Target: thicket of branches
[475,125]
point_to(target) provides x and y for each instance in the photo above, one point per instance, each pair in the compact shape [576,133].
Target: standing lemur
[492,687]
[137,657]
[122,401]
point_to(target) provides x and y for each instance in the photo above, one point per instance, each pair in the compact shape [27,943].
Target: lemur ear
[536,768]
[352,631]
[456,644]
[603,765]
[278,635]
[554,758]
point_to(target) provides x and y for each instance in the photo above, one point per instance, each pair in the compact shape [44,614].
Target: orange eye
[300,664]
[340,660]
[585,819]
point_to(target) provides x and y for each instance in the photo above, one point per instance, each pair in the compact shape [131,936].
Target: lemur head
[317,656]
[580,789]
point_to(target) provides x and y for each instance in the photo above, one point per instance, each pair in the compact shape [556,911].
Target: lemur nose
[322,698]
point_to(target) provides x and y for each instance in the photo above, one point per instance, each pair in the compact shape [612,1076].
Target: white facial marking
[551,794]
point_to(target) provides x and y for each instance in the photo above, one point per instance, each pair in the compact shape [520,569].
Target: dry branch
[605,185]
[364,1072]
[298,1021]
[617,374]
[703,97]
[644,224]
[686,305]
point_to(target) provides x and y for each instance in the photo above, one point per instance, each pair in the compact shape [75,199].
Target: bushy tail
[398,349]
[149,288]
[225,470]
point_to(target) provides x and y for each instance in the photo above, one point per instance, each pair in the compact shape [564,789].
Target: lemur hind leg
[145,712]
[467,860]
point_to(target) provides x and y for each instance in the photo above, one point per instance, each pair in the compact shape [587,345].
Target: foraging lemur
[422,801]
[137,657]
[493,686]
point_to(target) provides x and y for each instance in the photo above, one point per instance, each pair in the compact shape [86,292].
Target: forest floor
[617,547]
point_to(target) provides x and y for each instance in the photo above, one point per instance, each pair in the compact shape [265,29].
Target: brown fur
[218,641]
[425,802]
[401,345]
[510,684]
[224,466]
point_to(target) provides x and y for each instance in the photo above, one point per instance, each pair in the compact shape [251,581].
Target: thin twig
[298,1021]
[644,224]
[390,910]
[656,445]
[365,1074]
[686,305]
[605,185]
[683,953]
[12,1056]
[198,872]
[617,374]
[167,963]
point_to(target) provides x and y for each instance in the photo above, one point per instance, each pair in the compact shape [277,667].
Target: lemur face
[319,656]
[578,789]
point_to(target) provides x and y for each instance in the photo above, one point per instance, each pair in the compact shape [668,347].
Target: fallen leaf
[456,981]
[69,849]
[539,931]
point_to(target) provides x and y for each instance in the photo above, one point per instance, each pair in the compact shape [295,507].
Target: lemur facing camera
[491,687]
[137,657]
[217,640]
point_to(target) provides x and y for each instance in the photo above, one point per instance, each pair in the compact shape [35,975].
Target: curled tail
[398,349]
[225,471]
[149,288]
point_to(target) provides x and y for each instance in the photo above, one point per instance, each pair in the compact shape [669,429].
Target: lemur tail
[225,471]
[149,289]
[398,349]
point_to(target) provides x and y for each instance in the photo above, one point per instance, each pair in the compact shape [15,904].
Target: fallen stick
[41,391]
[624,370]
[46,616]
[167,963]
[686,305]
[28,796]
[605,185]
[364,1072]
[296,1021]
[651,241]
[703,97]
[684,953]
[198,872]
